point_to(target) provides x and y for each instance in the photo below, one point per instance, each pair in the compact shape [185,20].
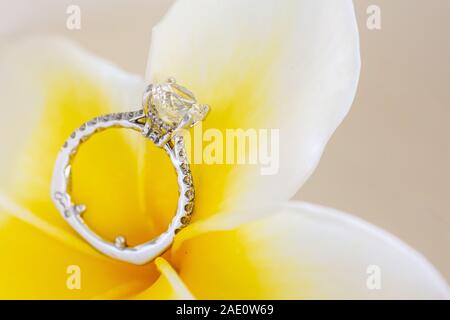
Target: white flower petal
[307,252]
[48,88]
[287,65]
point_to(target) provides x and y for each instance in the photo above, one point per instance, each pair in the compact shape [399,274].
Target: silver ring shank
[71,212]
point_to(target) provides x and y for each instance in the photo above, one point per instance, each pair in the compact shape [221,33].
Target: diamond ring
[168,108]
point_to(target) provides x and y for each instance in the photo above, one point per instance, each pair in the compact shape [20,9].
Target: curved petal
[48,88]
[39,264]
[306,252]
[168,286]
[291,66]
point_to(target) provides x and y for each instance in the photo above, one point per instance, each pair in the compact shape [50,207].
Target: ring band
[165,134]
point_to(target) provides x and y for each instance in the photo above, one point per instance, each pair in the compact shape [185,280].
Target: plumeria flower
[287,65]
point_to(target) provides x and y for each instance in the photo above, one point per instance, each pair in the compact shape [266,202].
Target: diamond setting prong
[79,209]
[120,242]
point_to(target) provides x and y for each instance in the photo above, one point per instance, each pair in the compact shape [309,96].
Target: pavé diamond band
[167,109]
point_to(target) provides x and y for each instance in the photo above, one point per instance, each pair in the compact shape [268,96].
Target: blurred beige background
[387,163]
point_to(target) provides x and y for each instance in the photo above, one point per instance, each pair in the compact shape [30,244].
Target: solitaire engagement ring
[168,108]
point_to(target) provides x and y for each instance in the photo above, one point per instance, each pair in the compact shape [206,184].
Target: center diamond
[173,104]
[168,108]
